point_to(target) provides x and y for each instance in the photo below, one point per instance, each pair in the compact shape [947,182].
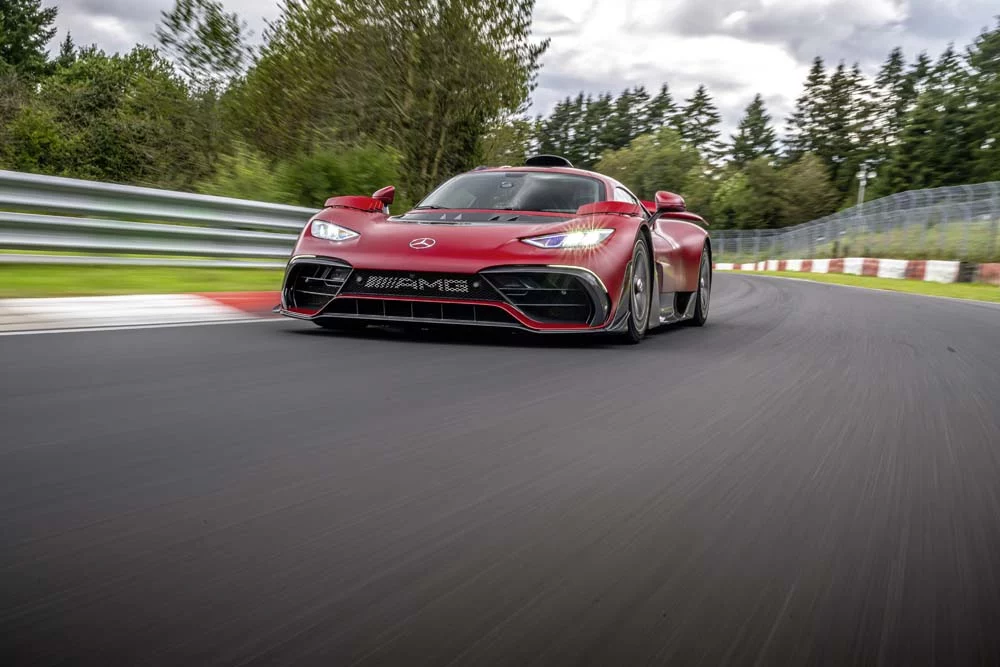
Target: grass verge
[56,280]
[971,291]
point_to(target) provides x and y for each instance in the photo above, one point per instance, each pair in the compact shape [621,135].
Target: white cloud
[736,47]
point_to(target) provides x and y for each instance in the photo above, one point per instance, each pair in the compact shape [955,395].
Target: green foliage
[114,118]
[805,127]
[347,96]
[305,180]
[25,29]
[312,178]
[807,191]
[754,137]
[425,76]
[660,161]
[698,123]
[246,174]
[208,43]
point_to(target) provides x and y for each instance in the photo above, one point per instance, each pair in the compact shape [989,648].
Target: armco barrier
[42,218]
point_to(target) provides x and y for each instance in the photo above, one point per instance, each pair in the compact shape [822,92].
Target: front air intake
[312,285]
[551,297]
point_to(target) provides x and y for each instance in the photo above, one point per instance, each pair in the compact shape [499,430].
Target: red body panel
[384,243]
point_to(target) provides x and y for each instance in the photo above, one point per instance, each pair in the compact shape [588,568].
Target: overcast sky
[736,47]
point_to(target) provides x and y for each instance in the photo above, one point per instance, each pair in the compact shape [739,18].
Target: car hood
[450,244]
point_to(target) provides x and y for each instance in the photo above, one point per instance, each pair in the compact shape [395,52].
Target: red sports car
[542,248]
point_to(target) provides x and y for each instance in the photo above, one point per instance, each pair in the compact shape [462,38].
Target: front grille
[459,286]
[424,311]
[311,285]
[557,298]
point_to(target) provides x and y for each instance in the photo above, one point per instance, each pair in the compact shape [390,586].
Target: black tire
[702,297]
[639,294]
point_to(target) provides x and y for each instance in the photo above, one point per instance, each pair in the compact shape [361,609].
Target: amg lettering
[449,285]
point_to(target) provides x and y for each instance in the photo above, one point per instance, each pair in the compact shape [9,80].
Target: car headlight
[587,238]
[331,232]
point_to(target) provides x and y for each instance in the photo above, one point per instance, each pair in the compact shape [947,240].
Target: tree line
[345,96]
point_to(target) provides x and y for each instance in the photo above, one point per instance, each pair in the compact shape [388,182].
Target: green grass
[973,291]
[32,280]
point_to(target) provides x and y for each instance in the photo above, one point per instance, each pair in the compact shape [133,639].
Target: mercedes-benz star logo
[422,244]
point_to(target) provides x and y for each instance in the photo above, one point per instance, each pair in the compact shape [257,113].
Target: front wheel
[704,294]
[640,294]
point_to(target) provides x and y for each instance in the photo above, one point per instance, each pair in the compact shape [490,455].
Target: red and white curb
[912,269]
[95,312]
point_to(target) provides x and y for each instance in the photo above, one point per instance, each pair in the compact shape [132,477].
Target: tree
[209,44]
[659,161]
[804,132]
[983,59]
[343,69]
[660,111]
[893,89]
[754,136]
[806,191]
[699,124]
[25,29]
[67,52]
[121,118]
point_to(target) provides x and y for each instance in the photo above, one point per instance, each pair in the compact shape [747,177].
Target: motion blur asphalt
[813,478]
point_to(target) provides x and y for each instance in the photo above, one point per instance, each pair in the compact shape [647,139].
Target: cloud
[736,47]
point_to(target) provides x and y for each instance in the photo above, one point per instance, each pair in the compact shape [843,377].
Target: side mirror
[668,202]
[386,195]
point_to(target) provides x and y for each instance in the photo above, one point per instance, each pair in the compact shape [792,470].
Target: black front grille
[312,285]
[557,298]
[424,311]
[450,286]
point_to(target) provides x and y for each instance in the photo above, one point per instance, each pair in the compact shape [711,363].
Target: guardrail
[953,223]
[53,220]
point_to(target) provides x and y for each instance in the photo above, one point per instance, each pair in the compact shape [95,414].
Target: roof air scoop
[547,161]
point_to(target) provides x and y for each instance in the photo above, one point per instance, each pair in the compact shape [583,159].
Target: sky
[737,48]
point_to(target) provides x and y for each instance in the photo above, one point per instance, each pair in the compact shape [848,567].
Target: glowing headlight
[331,232]
[583,239]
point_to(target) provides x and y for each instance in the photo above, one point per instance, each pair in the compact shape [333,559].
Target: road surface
[814,478]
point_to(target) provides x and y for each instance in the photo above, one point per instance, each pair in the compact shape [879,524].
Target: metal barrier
[959,222]
[51,220]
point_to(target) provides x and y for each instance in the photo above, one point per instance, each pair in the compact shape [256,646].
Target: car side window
[621,194]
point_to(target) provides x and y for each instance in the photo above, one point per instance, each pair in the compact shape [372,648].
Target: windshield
[516,191]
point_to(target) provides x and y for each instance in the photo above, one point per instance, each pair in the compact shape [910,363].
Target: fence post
[756,245]
[994,214]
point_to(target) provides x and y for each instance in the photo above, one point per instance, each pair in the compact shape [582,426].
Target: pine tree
[936,147]
[892,88]
[804,130]
[660,111]
[699,124]
[754,138]
[67,52]
[984,64]
[834,143]
[25,29]
[863,131]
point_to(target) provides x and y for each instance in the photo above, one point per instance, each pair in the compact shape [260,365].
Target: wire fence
[954,223]
[51,220]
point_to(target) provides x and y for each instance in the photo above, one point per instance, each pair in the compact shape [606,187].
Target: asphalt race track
[814,478]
